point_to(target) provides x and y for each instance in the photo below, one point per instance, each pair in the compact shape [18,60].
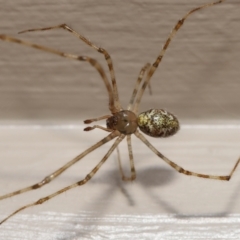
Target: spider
[120,123]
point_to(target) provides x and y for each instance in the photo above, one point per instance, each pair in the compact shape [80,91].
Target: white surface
[158,205]
[76,226]
[198,80]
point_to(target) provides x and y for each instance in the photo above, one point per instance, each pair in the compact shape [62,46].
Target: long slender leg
[79,183]
[180,169]
[92,61]
[140,77]
[165,46]
[133,172]
[99,49]
[53,175]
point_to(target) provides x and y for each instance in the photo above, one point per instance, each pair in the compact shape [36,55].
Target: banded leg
[79,183]
[99,49]
[91,61]
[180,169]
[55,174]
[133,172]
[165,46]
[137,84]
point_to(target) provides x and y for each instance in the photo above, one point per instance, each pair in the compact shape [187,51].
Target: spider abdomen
[158,123]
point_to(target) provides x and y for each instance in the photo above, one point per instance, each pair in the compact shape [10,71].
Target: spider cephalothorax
[124,121]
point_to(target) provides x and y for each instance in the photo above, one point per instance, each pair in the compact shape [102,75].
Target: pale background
[45,98]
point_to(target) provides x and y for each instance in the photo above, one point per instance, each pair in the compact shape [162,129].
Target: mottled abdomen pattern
[158,123]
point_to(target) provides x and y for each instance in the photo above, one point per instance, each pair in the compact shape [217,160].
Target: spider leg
[92,61]
[55,174]
[99,49]
[180,169]
[165,46]
[133,172]
[79,183]
[137,84]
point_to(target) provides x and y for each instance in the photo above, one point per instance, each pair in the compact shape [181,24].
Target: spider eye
[158,123]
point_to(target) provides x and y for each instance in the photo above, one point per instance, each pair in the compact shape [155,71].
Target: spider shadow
[146,178]
[228,209]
